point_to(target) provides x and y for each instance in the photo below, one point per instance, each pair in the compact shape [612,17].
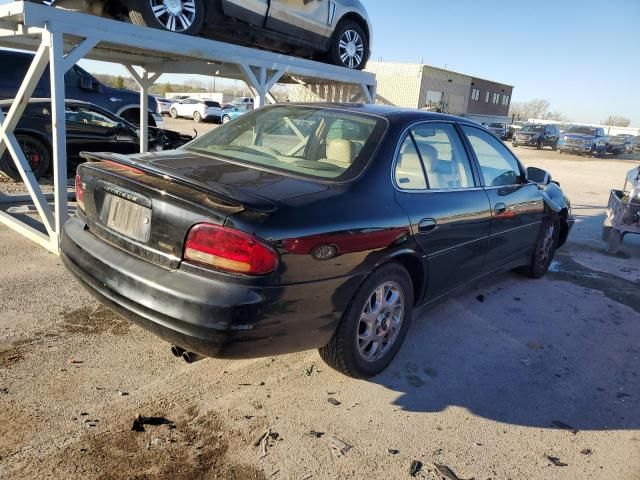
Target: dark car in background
[79,85]
[258,239]
[584,140]
[89,128]
[537,135]
[336,31]
[620,144]
[500,130]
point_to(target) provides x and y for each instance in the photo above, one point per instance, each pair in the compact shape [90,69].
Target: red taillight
[122,166]
[230,250]
[79,192]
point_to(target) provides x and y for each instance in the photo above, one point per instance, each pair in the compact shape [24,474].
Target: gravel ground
[508,379]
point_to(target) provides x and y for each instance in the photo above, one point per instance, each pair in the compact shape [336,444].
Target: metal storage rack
[61,38]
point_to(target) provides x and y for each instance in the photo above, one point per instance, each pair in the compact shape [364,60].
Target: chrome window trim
[396,155]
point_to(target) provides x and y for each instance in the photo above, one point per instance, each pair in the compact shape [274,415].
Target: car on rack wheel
[262,236]
[334,31]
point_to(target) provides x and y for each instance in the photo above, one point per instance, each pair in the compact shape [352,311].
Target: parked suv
[197,109]
[537,135]
[584,140]
[79,85]
[500,130]
[336,31]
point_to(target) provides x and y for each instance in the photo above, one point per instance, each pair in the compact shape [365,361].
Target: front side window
[497,165]
[434,150]
[315,142]
[87,116]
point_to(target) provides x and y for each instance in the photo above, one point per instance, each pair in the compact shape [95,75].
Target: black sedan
[89,128]
[308,226]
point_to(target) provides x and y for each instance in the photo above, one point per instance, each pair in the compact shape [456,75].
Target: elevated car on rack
[335,31]
[263,237]
[89,128]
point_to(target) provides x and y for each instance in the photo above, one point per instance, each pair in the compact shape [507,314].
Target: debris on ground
[139,422]
[307,477]
[480,298]
[415,468]
[556,461]
[309,370]
[263,441]
[315,434]
[393,451]
[333,401]
[122,394]
[564,426]
[73,360]
[447,472]
[4,390]
[338,447]
[586,451]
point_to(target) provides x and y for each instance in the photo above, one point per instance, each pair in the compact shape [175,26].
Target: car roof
[37,101]
[387,111]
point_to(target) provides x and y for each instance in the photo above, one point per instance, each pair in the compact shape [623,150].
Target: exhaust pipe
[177,351]
[191,357]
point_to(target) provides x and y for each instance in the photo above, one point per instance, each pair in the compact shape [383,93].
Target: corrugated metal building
[423,86]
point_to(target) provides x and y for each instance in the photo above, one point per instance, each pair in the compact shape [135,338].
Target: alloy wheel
[544,255]
[380,321]
[174,15]
[351,49]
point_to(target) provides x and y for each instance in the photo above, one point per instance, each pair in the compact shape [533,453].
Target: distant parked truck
[79,85]
[584,140]
[537,135]
[499,130]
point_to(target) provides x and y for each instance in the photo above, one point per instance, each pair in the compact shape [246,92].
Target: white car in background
[164,105]
[196,109]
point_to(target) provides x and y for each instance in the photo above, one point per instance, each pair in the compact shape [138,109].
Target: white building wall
[399,84]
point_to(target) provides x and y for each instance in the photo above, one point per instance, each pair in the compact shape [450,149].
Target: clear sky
[582,56]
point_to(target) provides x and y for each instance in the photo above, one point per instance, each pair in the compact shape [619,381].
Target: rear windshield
[315,142]
[210,103]
[534,128]
[582,130]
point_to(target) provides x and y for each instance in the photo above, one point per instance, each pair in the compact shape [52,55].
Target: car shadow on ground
[565,354]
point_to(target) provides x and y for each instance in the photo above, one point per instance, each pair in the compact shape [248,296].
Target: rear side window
[432,156]
[497,165]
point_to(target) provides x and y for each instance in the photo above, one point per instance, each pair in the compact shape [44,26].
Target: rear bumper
[201,314]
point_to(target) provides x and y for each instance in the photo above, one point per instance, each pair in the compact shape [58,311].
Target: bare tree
[536,108]
[616,121]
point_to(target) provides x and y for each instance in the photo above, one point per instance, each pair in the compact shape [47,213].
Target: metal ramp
[61,38]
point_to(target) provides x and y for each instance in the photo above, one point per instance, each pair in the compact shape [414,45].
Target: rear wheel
[555,146]
[37,154]
[197,117]
[374,324]
[226,119]
[540,145]
[173,113]
[349,46]
[181,16]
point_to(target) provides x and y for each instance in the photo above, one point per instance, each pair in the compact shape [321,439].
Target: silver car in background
[333,31]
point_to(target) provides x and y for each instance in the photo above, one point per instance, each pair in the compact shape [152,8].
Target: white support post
[59,130]
[144,81]
[366,93]
[258,83]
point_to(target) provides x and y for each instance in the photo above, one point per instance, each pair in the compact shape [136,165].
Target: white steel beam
[59,129]
[79,51]
[144,81]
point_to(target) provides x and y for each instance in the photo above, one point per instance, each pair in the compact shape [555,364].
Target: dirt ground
[508,379]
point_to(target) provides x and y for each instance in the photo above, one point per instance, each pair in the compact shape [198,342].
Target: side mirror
[539,176]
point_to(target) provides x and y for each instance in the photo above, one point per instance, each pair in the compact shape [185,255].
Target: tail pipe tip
[191,357]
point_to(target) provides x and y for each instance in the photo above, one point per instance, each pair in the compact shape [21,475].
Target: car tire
[226,119]
[554,147]
[614,241]
[141,12]
[197,117]
[338,55]
[544,250]
[606,232]
[357,355]
[38,155]
[540,145]
[173,112]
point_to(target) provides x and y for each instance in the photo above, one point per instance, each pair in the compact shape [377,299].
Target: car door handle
[500,208]
[427,225]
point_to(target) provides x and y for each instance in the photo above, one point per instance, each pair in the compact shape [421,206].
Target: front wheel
[540,145]
[197,117]
[374,324]
[181,16]
[555,146]
[349,46]
[545,249]
[173,113]
[226,119]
